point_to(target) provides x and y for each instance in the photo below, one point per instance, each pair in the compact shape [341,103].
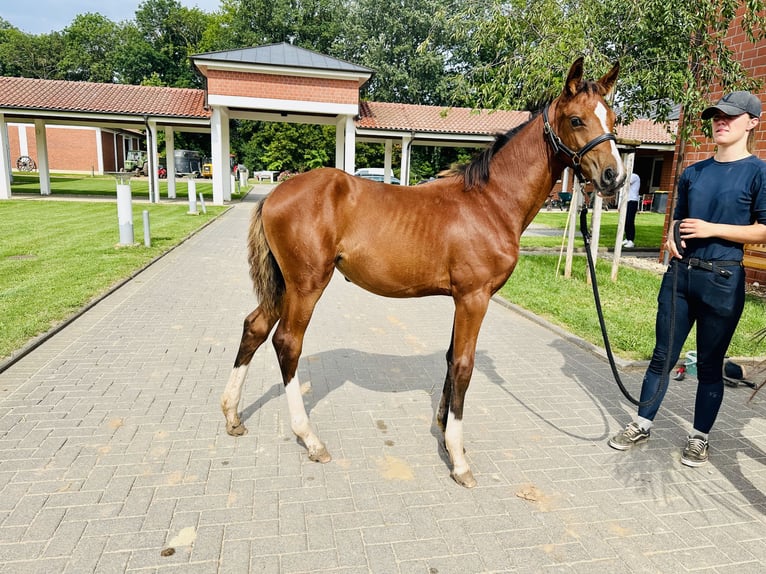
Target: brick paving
[114,455]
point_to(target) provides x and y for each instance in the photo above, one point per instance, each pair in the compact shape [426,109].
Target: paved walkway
[114,457]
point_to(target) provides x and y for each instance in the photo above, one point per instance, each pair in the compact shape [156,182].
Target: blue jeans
[715,304]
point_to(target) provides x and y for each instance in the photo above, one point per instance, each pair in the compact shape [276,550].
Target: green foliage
[90,42]
[670,51]
[28,56]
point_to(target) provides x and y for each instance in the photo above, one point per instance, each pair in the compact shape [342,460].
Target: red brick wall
[278,87]
[69,149]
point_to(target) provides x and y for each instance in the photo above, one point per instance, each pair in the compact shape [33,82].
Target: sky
[45,16]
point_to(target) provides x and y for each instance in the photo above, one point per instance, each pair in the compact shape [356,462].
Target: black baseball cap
[735,104]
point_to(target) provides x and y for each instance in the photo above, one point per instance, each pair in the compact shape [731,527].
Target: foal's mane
[476,172]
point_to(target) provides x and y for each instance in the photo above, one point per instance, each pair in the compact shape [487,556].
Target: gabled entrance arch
[278,83]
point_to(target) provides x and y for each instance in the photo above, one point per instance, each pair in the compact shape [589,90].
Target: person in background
[721,205]
[630,215]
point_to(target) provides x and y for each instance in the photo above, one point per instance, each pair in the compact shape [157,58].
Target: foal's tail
[268,282]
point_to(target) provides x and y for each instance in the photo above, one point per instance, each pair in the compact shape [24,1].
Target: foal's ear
[574,77]
[609,79]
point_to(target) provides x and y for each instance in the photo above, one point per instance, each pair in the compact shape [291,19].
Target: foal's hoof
[236,430]
[319,454]
[466,479]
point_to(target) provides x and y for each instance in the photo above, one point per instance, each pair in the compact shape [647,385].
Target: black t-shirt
[722,192]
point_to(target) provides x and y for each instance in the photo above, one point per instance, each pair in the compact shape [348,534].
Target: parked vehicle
[375,174]
[137,161]
[188,162]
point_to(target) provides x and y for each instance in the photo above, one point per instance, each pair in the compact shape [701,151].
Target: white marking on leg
[601,113]
[453,438]
[232,393]
[299,420]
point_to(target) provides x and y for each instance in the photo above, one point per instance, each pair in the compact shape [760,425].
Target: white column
[170,162]
[5,160]
[349,154]
[219,147]
[387,161]
[154,176]
[340,142]
[99,151]
[405,172]
[43,168]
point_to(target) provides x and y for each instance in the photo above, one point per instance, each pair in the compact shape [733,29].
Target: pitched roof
[90,97]
[436,119]
[648,131]
[30,95]
[283,54]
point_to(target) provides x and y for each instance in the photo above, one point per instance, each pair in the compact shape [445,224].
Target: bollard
[147,233]
[192,196]
[125,213]
[202,203]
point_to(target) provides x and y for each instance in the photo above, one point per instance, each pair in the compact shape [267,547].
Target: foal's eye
[576,122]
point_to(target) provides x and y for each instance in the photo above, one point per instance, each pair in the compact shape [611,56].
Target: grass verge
[56,256]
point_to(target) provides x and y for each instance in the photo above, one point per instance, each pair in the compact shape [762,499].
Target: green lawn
[649,229]
[56,256]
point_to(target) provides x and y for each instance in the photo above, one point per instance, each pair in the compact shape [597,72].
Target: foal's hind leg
[255,331]
[288,343]
[469,314]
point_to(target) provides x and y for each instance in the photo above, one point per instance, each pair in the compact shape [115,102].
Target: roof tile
[53,95]
[388,116]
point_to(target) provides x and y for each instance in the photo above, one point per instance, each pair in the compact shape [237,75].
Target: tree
[405,44]
[89,47]
[29,56]
[312,24]
[173,32]
[671,51]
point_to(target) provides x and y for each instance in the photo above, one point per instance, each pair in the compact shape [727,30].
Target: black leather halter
[574,156]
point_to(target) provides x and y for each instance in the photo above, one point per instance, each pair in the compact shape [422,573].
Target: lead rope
[665,380]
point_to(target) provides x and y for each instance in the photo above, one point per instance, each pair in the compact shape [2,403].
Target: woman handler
[721,206]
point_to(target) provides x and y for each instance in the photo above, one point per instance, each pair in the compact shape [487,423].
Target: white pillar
[99,168]
[340,142]
[219,147]
[405,172]
[5,160]
[124,210]
[154,176]
[170,162]
[43,169]
[387,161]
[349,154]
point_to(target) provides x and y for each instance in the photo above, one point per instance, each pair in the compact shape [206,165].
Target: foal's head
[580,116]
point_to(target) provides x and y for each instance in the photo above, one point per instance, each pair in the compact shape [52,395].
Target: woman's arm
[700,229]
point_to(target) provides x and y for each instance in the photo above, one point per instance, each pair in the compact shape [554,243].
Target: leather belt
[714,266]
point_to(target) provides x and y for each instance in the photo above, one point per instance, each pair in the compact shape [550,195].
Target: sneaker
[628,244]
[695,452]
[630,436]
